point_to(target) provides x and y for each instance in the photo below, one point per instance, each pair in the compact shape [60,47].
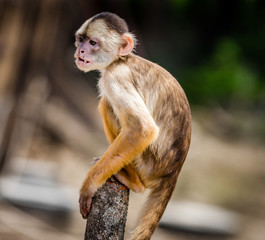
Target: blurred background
[50,129]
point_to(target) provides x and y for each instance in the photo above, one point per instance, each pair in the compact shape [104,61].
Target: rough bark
[107,218]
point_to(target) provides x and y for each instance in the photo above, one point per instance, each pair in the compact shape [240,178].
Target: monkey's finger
[83,208]
[84,212]
[84,215]
[88,204]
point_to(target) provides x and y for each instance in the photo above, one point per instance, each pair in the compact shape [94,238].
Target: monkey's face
[85,54]
[96,46]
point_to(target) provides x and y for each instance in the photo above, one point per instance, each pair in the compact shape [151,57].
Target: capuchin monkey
[146,118]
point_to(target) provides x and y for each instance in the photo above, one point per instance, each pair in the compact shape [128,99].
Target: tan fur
[146,119]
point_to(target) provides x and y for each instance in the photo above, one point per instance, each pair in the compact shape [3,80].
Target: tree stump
[107,218]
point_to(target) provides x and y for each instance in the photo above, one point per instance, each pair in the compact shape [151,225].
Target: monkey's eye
[93,43]
[80,39]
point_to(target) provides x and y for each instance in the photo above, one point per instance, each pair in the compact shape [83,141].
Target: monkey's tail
[154,209]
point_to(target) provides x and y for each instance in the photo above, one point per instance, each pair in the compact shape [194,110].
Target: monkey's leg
[129,177]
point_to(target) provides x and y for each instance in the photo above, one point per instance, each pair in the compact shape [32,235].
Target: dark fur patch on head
[113,21]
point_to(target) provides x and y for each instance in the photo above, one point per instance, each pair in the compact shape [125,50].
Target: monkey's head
[101,40]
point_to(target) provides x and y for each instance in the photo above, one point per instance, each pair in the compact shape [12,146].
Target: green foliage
[223,78]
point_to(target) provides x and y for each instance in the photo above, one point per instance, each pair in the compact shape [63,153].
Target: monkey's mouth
[82,63]
[79,59]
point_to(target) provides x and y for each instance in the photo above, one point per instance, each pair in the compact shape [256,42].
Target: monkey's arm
[138,130]
[110,129]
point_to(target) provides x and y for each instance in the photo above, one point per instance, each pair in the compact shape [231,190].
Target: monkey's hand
[85,198]
[86,193]
[85,201]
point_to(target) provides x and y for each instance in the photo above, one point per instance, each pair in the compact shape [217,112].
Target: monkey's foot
[96,159]
[135,186]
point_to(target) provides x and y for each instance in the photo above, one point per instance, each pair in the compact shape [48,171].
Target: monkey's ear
[127,46]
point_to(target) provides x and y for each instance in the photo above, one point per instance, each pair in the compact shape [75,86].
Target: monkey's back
[168,105]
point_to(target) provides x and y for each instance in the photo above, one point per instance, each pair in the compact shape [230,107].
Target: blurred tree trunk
[29,30]
[18,27]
